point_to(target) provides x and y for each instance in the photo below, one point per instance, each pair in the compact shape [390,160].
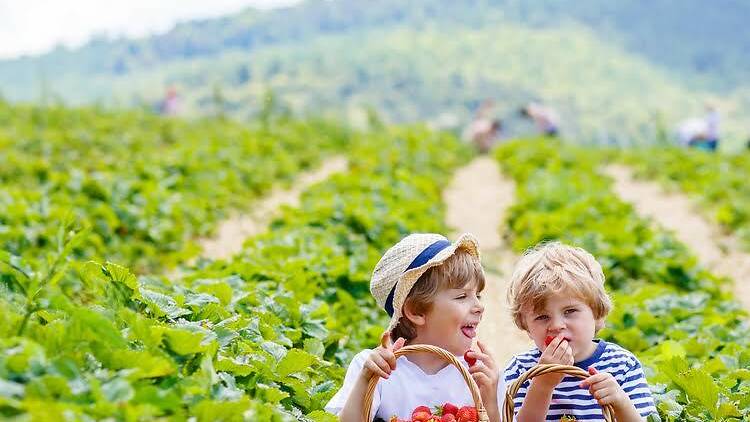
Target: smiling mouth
[469,330]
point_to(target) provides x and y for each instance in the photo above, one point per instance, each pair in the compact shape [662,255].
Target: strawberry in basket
[445,413]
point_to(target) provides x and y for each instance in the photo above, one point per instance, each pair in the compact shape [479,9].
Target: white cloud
[35,26]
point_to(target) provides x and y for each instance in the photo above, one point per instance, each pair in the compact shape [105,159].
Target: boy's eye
[541,317]
[461,297]
[570,311]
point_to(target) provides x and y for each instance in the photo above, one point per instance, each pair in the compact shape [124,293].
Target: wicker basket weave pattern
[446,355]
[542,369]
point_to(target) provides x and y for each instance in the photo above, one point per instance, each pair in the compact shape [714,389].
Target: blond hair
[556,268]
[457,271]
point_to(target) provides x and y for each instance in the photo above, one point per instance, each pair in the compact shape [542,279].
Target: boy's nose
[557,324]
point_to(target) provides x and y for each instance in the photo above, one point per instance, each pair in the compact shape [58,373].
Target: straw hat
[402,265]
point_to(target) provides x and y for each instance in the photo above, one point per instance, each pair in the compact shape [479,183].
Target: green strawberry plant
[717,181]
[674,315]
[265,335]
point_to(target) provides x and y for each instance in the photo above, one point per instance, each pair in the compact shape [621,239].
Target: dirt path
[722,254]
[232,232]
[476,202]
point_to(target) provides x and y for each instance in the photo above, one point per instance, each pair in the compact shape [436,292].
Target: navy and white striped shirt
[570,399]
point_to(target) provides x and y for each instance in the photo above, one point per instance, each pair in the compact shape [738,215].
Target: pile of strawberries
[445,413]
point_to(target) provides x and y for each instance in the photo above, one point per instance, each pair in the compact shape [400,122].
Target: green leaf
[163,305]
[120,274]
[276,350]
[236,366]
[11,389]
[185,342]
[296,360]
[696,383]
[315,329]
[321,416]
[214,410]
[314,347]
[118,390]
[271,394]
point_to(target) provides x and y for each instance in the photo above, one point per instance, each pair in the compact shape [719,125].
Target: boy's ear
[416,318]
[599,324]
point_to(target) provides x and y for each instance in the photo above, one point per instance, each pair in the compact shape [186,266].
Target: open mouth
[469,330]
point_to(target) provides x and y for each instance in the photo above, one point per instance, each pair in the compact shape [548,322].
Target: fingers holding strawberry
[557,351]
[486,375]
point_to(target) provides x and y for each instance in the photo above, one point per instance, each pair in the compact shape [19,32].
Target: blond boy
[431,289]
[557,296]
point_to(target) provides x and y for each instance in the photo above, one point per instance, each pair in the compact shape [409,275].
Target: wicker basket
[420,348]
[541,369]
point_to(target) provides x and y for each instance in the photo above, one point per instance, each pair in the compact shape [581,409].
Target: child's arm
[486,376]
[381,362]
[539,395]
[606,390]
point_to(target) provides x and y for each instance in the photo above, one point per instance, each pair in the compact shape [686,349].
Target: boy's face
[452,321]
[566,315]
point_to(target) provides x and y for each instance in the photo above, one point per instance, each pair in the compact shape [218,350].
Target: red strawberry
[420,409]
[450,409]
[471,361]
[467,414]
[448,417]
[421,417]
[549,339]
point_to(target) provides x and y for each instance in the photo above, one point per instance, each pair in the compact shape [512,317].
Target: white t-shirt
[409,387]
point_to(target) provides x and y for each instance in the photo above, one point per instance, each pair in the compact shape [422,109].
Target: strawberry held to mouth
[470,360]
[549,339]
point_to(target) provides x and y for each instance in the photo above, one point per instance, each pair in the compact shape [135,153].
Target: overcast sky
[36,26]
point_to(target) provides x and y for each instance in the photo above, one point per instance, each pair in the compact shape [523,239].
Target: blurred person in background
[701,133]
[545,118]
[170,106]
[483,131]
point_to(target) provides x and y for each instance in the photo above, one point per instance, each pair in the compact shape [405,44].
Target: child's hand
[605,389]
[486,375]
[382,360]
[557,352]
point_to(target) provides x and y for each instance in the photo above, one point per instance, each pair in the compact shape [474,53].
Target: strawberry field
[692,337]
[263,336]
[718,183]
[97,207]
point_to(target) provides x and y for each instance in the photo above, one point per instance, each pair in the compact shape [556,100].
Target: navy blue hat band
[427,254]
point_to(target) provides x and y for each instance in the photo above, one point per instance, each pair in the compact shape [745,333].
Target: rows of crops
[717,181]
[692,338]
[145,186]
[93,202]
[263,336]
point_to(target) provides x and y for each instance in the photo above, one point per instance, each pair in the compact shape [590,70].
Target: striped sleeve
[635,386]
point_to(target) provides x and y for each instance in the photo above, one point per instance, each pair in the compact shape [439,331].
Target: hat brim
[466,241]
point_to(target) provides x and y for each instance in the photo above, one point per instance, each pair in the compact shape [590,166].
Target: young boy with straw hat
[431,289]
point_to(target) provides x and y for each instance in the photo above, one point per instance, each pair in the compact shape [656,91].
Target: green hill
[606,66]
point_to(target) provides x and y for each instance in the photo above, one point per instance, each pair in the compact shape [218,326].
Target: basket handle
[541,369]
[448,356]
